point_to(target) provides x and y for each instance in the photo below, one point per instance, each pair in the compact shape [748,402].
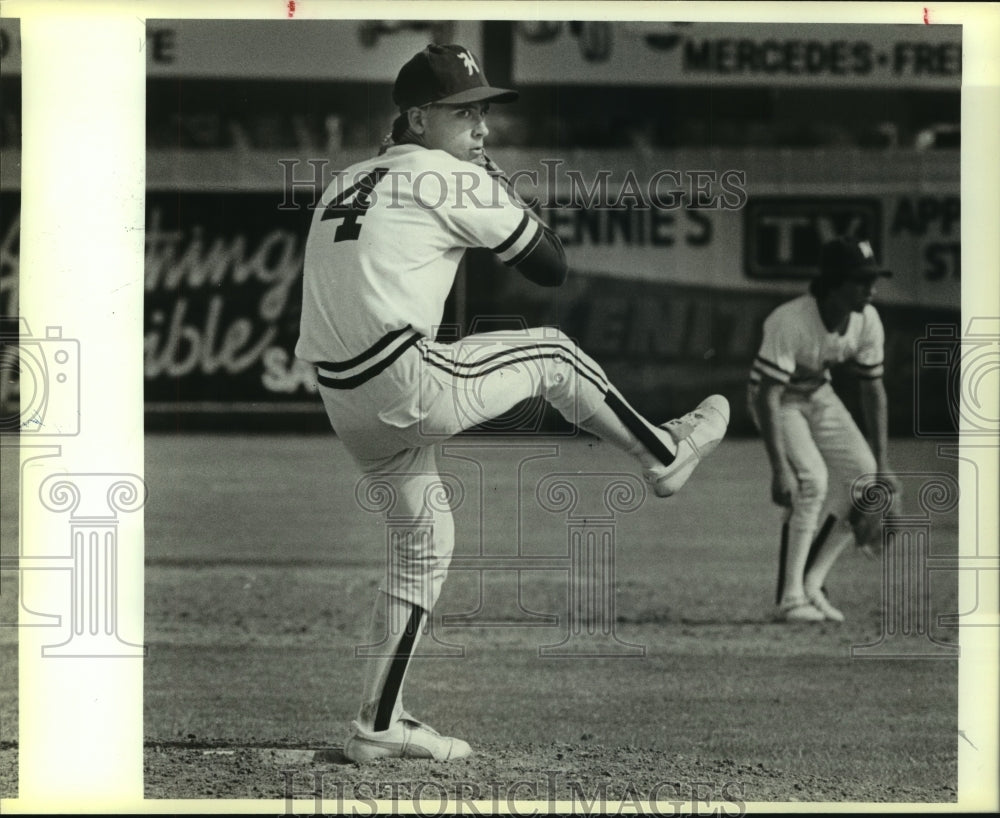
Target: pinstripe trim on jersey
[515,355]
[521,225]
[762,366]
[361,368]
[527,249]
[522,240]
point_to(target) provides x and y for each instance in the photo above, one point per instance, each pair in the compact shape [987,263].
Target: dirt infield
[260,573]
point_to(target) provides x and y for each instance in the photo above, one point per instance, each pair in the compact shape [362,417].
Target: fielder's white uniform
[823,444]
[375,284]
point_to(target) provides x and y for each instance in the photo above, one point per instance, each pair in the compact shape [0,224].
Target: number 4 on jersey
[360,200]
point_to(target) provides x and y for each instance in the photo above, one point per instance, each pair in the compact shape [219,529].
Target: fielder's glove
[867,528]
[886,494]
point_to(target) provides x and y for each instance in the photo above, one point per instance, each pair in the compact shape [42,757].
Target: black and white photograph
[499,408]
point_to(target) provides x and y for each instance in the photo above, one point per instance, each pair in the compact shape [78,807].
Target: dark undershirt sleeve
[545,262]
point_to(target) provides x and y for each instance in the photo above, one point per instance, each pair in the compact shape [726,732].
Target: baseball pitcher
[381,257]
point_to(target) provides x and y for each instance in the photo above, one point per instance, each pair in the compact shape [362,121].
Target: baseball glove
[867,528]
[874,500]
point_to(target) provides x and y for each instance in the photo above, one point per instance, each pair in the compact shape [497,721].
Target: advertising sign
[658,292]
[289,49]
[10,46]
[603,52]
[223,290]
[753,221]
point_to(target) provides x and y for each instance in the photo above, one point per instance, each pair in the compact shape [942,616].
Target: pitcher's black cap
[844,258]
[447,74]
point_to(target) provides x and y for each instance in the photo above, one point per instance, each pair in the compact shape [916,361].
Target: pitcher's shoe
[799,610]
[407,738]
[819,601]
[695,436]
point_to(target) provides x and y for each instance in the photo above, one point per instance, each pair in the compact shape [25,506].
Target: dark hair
[400,125]
[397,134]
[820,286]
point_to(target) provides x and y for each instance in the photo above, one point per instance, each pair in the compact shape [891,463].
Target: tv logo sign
[783,235]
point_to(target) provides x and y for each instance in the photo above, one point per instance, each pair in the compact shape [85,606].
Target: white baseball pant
[390,406]
[828,452]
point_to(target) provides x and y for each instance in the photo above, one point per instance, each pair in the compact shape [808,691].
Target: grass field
[260,573]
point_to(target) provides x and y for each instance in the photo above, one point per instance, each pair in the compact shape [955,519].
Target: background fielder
[381,258]
[815,448]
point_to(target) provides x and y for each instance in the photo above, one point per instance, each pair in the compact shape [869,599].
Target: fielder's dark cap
[844,258]
[445,74]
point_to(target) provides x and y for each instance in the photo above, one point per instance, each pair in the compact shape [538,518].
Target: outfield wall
[668,295]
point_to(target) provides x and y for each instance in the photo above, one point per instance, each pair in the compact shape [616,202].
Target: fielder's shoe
[869,551]
[819,601]
[695,435]
[407,738]
[799,611]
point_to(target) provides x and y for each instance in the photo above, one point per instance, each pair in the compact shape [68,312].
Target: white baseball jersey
[798,350]
[383,250]
[381,258]
[823,444]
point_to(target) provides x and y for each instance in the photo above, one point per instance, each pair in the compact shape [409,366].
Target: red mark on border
[291,10]
[927,14]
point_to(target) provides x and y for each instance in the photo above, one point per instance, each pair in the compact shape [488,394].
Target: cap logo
[866,249]
[469,61]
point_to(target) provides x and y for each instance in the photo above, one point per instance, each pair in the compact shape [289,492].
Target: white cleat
[695,436]
[869,552]
[799,611]
[407,738]
[819,601]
